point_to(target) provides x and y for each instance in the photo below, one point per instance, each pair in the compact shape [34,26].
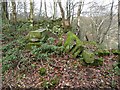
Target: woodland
[70,44]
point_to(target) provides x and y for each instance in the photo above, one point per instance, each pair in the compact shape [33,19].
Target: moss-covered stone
[88,56]
[101,52]
[98,61]
[30,45]
[78,52]
[72,40]
[34,36]
[76,48]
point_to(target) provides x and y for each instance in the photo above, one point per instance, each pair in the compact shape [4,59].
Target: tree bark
[108,28]
[119,30]
[31,12]
[5,10]
[55,9]
[40,11]
[68,10]
[61,10]
[14,14]
[65,22]
[25,10]
[62,13]
[45,8]
[78,19]
[72,18]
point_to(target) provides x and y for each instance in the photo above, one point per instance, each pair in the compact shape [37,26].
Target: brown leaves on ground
[69,71]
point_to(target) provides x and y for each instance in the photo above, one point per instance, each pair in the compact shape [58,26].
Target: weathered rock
[78,52]
[34,36]
[88,56]
[31,44]
[72,40]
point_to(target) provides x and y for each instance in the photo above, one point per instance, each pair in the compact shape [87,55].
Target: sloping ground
[61,71]
[66,71]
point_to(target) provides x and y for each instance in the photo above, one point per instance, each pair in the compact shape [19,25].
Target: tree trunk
[5,10]
[45,8]
[31,12]
[40,11]
[14,15]
[68,10]
[62,12]
[55,8]
[108,28]
[72,17]
[119,30]
[65,22]
[25,10]
[78,19]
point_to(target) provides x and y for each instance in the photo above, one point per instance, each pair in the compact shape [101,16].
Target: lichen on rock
[88,56]
[34,36]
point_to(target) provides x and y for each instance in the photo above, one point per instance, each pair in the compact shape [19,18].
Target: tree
[14,14]
[25,10]
[62,12]
[72,16]
[110,22]
[45,8]
[99,22]
[40,10]
[68,9]
[65,22]
[78,18]
[31,12]
[54,9]
[119,30]
[5,10]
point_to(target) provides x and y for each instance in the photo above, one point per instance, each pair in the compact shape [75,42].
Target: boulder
[88,56]
[72,43]
[34,36]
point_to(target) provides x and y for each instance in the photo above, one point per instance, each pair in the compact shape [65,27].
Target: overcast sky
[50,3]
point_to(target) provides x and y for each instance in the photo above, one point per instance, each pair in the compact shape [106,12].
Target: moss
[75,48]
[88,56]
[80,49]
[49,84]
[106,52]
[116,52]
[72,40]
[42,71]
[98,61]
[35,35]
[54,81]
[101,52]
[30,45]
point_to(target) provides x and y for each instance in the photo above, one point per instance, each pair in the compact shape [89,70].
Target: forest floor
[70,72]
[62,71]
